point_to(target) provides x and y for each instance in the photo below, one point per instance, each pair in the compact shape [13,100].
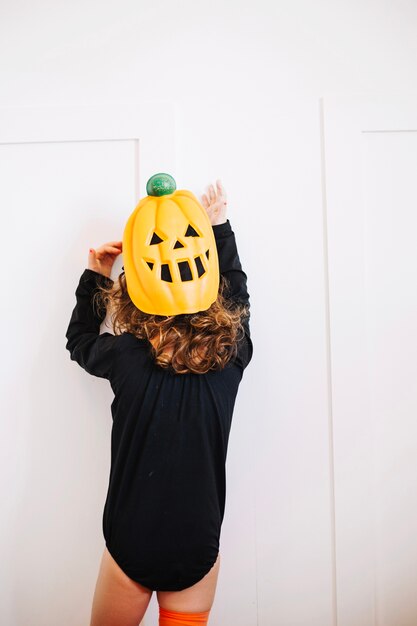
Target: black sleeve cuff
[221,229]
[96,278]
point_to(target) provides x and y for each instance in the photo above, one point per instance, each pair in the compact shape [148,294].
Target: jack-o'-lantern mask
[169,251]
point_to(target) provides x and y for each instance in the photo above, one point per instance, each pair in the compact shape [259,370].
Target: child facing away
[175,380]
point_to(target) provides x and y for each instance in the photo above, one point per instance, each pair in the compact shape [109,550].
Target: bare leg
[118,600]
[195,599]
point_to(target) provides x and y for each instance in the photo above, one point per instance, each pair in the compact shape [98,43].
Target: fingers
[214,193]
[112,247]
[101,253]
[215,200]
[220,187]
[211,194]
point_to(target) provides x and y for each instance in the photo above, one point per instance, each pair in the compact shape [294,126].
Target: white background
[245,83]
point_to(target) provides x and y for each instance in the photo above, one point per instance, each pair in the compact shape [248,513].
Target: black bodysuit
[166,497]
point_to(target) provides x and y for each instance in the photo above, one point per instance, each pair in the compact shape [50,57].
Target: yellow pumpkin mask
[169,251]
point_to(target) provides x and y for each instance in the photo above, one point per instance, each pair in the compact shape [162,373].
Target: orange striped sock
[177,618]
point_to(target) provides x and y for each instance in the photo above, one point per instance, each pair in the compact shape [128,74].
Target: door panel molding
[147,124]
[345,120]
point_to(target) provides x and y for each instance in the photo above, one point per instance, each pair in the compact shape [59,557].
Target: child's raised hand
[102,259]
[215,203]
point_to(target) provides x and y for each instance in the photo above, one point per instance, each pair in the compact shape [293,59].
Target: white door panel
[70,177]
[371,197]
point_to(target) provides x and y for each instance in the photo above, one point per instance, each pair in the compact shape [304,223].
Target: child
[175,381]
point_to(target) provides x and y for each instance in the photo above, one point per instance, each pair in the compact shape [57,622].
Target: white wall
[246,80]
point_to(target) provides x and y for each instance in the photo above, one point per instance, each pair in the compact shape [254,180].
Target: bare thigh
[118,600]
[195,599]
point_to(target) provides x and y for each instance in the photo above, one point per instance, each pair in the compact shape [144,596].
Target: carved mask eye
[155,239]
[191,232]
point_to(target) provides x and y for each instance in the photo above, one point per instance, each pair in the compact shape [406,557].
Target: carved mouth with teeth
[184,267]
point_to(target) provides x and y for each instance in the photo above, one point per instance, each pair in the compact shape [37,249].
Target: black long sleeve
[93,351]
[231,267]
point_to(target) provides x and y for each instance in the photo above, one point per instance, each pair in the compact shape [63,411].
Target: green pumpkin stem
[160,185]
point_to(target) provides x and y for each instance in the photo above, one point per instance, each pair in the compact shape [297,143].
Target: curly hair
[202,341]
